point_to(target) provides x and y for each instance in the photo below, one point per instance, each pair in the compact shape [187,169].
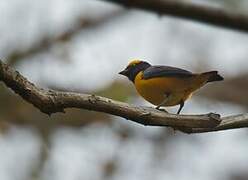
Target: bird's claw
[163,110]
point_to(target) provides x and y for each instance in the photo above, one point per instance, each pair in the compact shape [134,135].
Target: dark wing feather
[165,71]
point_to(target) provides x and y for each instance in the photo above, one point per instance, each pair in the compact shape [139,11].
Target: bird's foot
[158,108]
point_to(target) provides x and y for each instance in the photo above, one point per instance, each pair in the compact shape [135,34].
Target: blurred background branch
[46,42]
[233,90]
[187,10]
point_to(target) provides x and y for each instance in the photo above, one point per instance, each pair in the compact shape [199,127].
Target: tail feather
[213,76]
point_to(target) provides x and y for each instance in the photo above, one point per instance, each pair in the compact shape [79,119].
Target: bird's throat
[136,70]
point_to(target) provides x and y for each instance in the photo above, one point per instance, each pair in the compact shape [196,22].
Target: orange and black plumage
[166,85]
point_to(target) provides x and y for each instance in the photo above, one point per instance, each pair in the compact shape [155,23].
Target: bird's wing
[165,71]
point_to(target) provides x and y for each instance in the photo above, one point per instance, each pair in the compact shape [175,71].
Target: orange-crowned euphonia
[165,85]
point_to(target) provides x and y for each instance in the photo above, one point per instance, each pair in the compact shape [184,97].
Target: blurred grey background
[81,46]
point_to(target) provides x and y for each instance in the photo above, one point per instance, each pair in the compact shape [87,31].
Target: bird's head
[133,68]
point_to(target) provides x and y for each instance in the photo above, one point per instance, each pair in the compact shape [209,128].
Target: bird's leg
[164,101]
[181,107]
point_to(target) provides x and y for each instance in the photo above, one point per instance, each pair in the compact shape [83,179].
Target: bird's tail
[212,76]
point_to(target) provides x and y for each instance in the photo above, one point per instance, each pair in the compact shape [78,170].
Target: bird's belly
[156,90]
[157,97]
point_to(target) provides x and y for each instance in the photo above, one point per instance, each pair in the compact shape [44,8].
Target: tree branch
[229,122]
[49,101]
[210,15]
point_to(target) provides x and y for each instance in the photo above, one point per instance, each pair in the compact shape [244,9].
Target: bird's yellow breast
[155,90]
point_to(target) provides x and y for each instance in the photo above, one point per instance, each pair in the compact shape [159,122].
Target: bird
[165,86]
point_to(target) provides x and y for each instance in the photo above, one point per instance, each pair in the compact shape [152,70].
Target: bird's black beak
[124,72]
